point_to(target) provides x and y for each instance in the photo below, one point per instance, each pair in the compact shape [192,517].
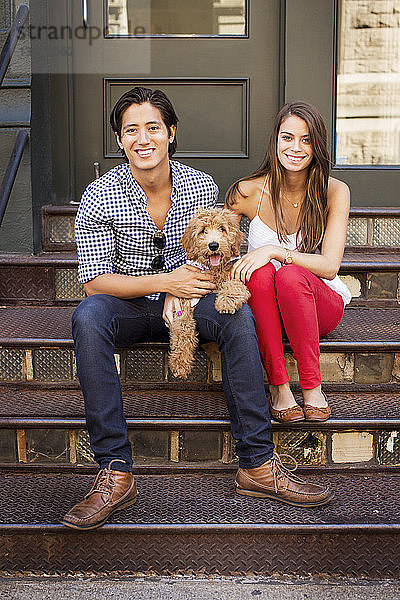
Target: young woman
[298,220]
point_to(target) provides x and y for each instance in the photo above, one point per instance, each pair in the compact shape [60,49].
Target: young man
[132,265]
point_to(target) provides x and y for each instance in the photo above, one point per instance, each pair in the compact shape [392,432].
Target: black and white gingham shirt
[114,232]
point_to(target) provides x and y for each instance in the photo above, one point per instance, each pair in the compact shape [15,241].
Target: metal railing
[22,137]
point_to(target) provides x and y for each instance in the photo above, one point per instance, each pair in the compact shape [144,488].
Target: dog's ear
[235,235]
[188,237]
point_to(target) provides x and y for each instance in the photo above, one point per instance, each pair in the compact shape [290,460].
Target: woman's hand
[172,306]
[244,268]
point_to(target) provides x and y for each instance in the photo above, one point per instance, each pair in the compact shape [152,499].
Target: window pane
[368,83]
[176,17]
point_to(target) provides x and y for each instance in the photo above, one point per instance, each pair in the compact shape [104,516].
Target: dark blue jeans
[101,323]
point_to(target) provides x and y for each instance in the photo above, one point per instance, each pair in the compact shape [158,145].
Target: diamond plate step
[36,345]
[44,279]
[51,278]
[368,226]
[186,409]
[178,427]
[197,523]
[361,329]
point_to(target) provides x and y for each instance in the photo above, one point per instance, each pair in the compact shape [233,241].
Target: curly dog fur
[211,239]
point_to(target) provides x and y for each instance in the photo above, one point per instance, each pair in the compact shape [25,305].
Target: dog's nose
[213,246]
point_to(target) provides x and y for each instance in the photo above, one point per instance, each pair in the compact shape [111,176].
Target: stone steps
[197,523]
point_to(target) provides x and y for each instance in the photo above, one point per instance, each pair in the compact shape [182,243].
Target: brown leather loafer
[315,413]
[273,480]
[288,415]
[111,491]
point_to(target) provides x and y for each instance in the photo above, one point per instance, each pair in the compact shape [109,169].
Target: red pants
[308,309]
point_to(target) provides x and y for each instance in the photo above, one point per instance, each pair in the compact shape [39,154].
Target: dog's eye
[222,228]
[202,230]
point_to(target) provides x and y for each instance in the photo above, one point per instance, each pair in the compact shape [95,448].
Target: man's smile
[144,152]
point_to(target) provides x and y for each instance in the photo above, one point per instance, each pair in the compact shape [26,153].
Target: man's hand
[188,282]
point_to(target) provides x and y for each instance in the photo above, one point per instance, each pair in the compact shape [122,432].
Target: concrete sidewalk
[185,588]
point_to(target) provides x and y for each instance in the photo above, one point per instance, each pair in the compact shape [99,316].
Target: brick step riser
[51,285]
[149,367]
[320,447]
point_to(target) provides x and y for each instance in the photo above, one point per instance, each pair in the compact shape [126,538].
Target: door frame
[370,185]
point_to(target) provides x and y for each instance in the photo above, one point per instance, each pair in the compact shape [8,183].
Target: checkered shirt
[114,232]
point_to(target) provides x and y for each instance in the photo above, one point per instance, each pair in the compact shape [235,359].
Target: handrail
[11,172]
[22,137]
[12,39]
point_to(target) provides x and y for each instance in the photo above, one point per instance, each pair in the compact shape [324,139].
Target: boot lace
[281,472]
[104,482]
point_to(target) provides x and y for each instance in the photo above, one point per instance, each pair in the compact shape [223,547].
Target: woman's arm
[324,265]
[244,202]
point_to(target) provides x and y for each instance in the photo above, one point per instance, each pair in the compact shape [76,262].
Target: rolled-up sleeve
[95,238]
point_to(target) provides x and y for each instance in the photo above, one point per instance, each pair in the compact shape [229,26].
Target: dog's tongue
[215,259]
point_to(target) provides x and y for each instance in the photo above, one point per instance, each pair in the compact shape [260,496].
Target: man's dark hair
[140,95]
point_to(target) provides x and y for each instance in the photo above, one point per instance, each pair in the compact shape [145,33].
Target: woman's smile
[294,148]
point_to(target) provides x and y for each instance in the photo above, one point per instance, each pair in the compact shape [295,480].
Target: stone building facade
[368,103]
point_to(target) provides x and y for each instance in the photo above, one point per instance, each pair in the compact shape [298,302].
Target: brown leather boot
[273,480]
[111,491]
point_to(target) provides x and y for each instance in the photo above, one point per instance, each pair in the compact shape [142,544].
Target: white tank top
[261,235]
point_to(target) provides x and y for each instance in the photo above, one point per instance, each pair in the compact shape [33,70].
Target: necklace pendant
[296,205]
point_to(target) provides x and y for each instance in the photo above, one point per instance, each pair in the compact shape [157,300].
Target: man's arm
[186,282]
[96,252]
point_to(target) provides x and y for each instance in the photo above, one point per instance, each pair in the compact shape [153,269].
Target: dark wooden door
[219,62]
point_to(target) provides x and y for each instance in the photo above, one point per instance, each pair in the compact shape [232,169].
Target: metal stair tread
[355,211]
[361,328]
[361,258]
[62,259]
[168,502]
[31,407]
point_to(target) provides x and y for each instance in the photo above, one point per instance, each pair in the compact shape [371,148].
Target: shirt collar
[135,191]
[176,179]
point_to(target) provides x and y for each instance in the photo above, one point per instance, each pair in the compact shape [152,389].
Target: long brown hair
[313,212]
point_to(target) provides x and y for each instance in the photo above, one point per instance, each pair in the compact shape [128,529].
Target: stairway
[188,518]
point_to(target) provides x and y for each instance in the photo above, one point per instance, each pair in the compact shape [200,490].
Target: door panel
[228,117]
[225,91]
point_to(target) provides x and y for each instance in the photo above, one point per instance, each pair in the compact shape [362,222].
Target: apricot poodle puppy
[211,240]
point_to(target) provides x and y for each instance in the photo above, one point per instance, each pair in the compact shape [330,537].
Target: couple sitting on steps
[298,219]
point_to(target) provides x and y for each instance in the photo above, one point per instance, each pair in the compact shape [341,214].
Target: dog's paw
[227,305]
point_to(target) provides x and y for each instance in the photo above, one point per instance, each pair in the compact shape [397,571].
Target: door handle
[85,13]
